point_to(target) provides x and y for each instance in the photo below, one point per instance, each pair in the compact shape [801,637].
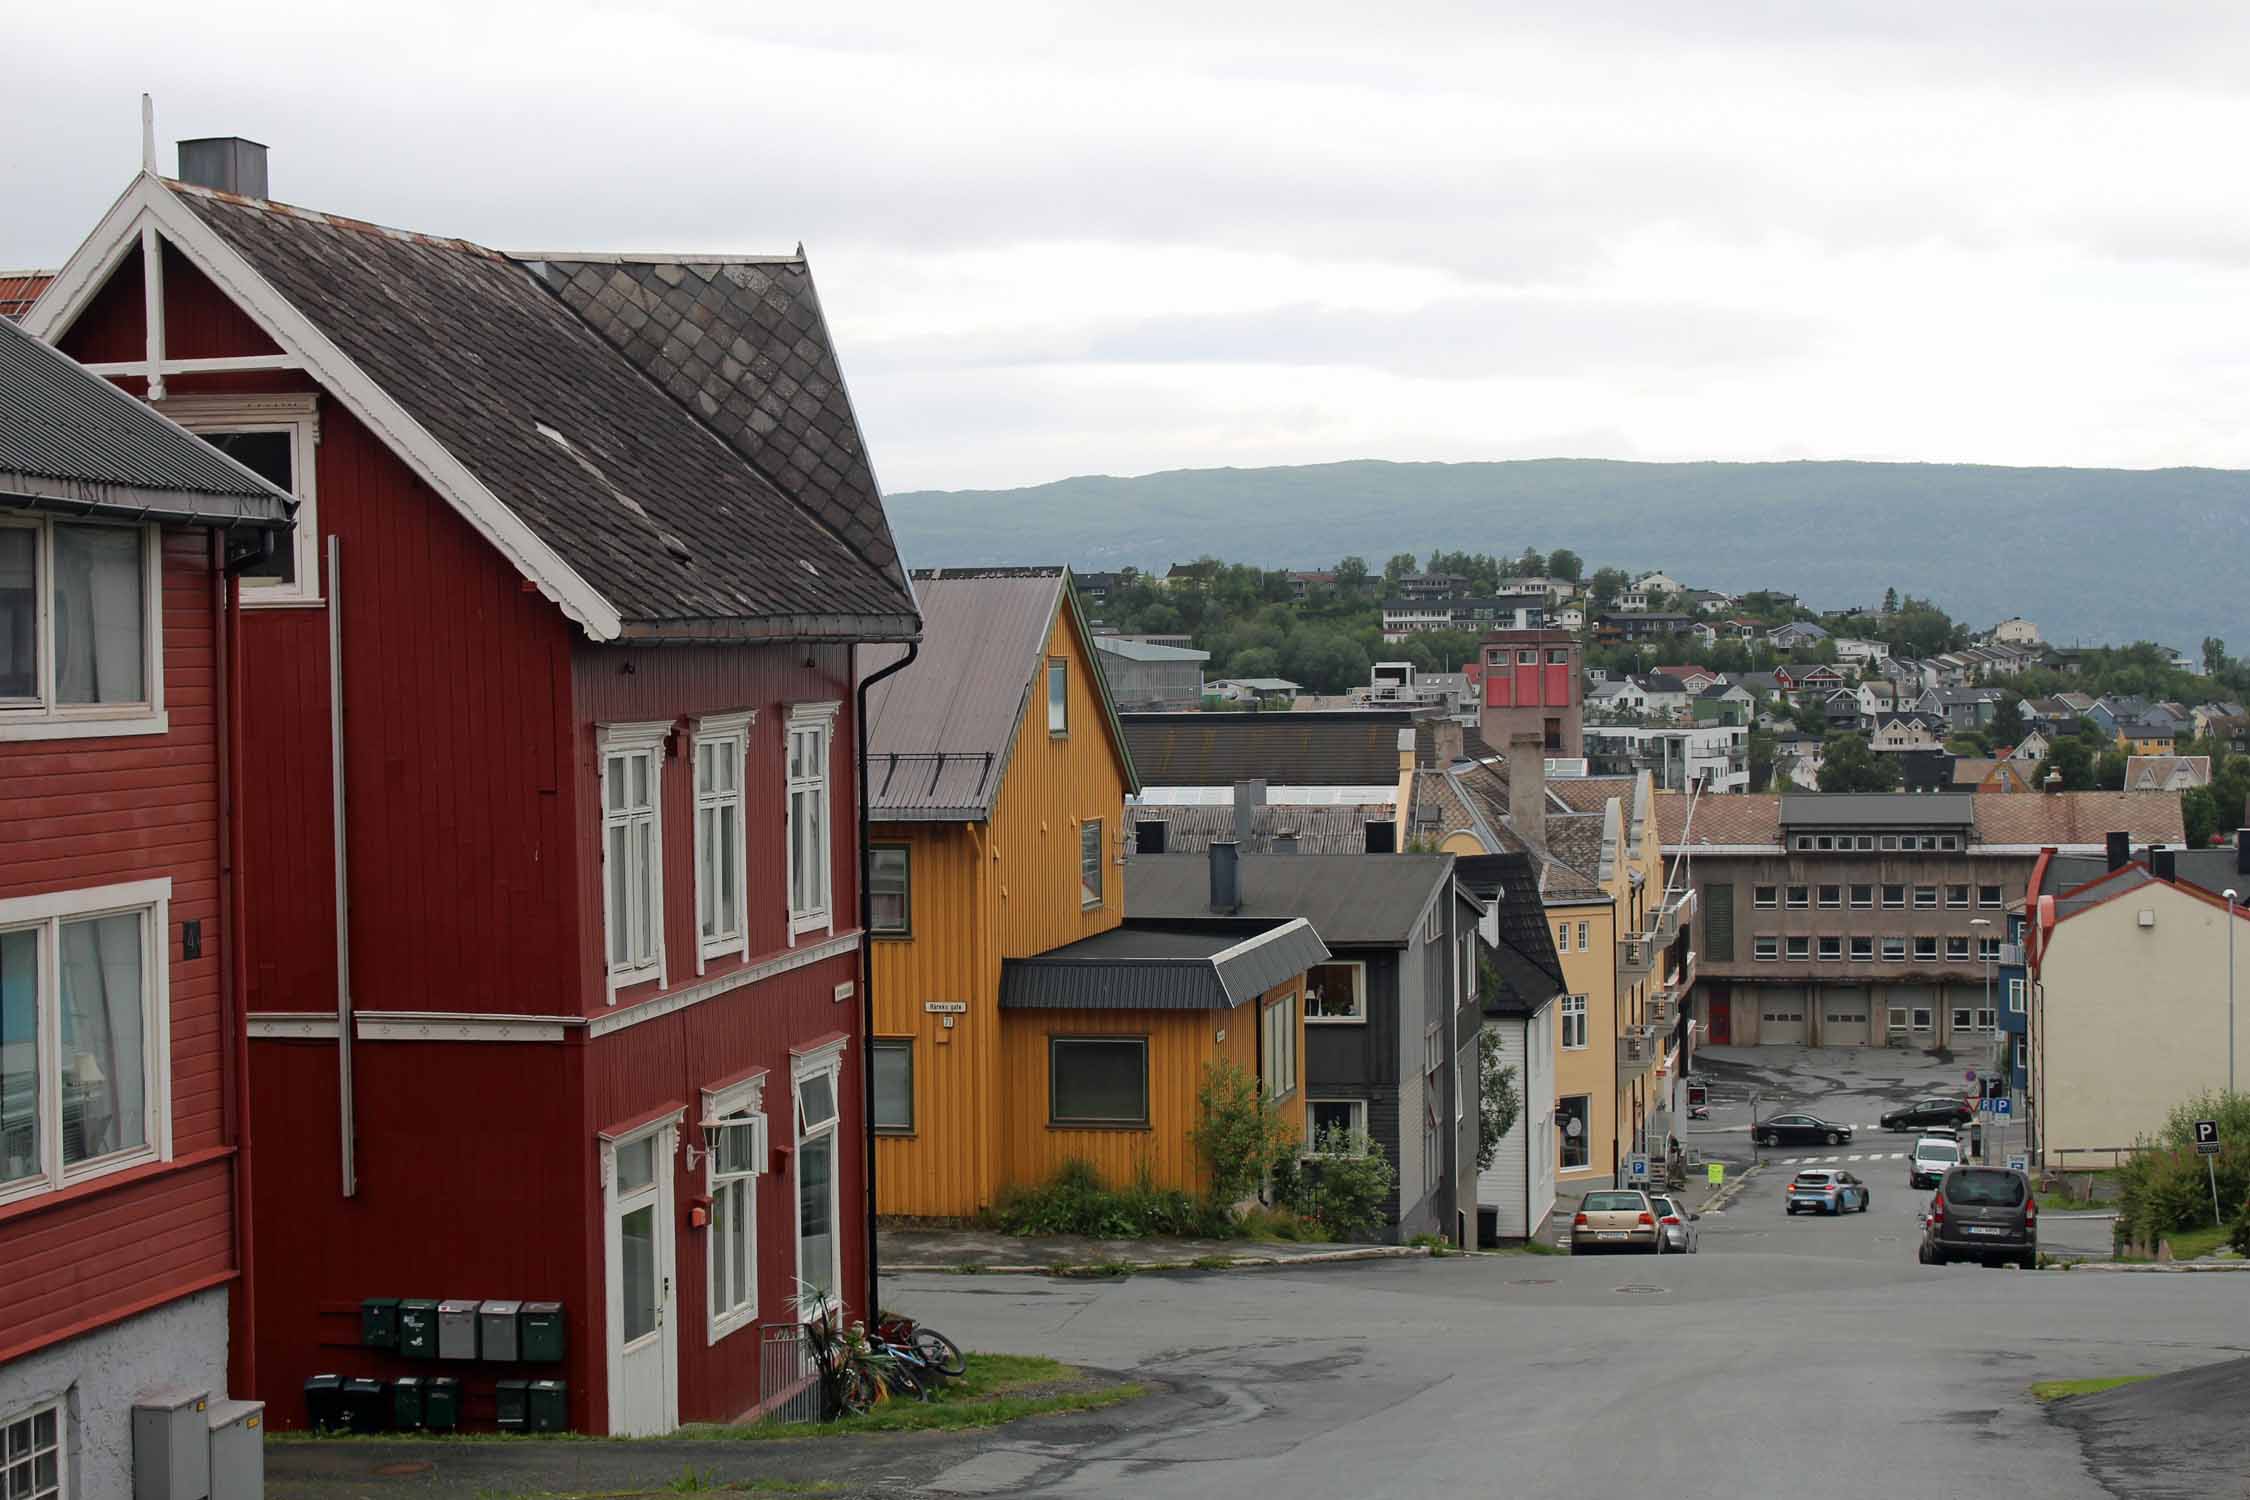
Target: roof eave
[133,503]
[865,630]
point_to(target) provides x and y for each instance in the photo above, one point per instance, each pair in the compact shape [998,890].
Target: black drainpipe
[867,973]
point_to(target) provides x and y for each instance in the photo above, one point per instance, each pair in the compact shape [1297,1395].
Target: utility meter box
[457,1329]
[540,1333]
[418,1328]
[550,1406]
[378,1323]
[441,1403]
[238,1450]
[171,1445]
[407,1402]
[514,1398]
[497,1325]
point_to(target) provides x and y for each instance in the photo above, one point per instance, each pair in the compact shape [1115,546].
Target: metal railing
[788,1377]
[1639,1048]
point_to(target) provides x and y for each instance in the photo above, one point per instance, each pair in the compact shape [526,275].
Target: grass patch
[2192,1244]
[689,1482]
[1212,1262]
[997,1388]
[2056,1390]
[1533,1247]
[1438,1246]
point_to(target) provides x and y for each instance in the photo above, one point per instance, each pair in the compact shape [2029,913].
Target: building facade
[1533,685]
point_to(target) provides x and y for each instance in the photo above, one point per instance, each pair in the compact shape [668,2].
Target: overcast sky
[1059,239]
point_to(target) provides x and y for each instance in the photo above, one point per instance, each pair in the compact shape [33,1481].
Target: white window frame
[1099,866]
[808,718]
[1358,1126]
[1769,901]
[1058,714]
[1893,949]
[25,1417]
[1952,905]
[1358,1017]
[214,416]
[741,1189]
[730,734]
[45,914]
[1583,928]
[1931,892]
[1924,1018]
[1928,941]
[1852,896]
[828,1059]
[1765,948]
[1584,1138]
[1277,1046]
[1831,948]
[1956,949]
[1574,1008]
[1988,1020]
[642,740]
[43,718]
[1999,897]
[1860,955]
[1796,947]
[1797,897]
[2015,997]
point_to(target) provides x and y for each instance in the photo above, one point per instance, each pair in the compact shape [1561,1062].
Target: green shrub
[2238,1233]
[1076,1201]
[1240,1140]
[1346,1187]
[1498,1101]
[2166,1187]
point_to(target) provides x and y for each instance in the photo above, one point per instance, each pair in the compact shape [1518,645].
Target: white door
[1781,1017]
[644,1393]
[1843,1018]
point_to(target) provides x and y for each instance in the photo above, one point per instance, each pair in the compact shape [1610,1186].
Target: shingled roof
[727,501]
[2023,821]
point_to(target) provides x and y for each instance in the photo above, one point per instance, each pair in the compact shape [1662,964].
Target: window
[84,1034]
[809,839]
[893,1057]
[1957,950]
[1925,898]
[1097,1080]
[1058,695]
[1988,950]
[1831,895]
[1987,1020]
[1898,1018]
[1558,656]
[1573,1022]
[1832,948]
[1804,843]
[1336,1127]
[1800,896]
[632,852]
[1433,1075]
[1863,949]
[1336,992]
[1562,937]
[274,438]
[2023,1052]
[1925,950]
[1950,842]
[722,745]
[1799,947]
[31,1454]
[2015,996]
[1961,1018]
[890,889]
[734,1135]
[81,651]
[819,1240]
[1765,895]
[1765,947]
[1988,895]
[1921,1018]
[1090,862]
[1889,842]
[1573,1112]
[1866,841]
[1894,950]
[1956,895]
[1277,1046]
[1583,927]
[1527,658]
[1894,896]
[1863,896]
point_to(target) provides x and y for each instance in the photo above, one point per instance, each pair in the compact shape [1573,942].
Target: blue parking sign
[1997,1106]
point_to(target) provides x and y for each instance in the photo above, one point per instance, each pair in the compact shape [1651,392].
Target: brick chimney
[1527,787]
[1448,742]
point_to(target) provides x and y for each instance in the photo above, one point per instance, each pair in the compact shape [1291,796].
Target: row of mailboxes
[457,1328]
[337,1403]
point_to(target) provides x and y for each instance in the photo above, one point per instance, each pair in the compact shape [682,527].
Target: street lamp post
[2232,897]
[1986,953]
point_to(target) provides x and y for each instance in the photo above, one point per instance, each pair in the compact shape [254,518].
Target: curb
[1233,1263]
[1722,1200]
[2172,1268]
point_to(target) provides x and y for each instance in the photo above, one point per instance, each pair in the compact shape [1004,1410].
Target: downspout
[345,1024]
[242,1361]
[867,971]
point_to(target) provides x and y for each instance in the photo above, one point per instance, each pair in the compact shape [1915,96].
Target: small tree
[1847,765]
[1349,1185]
[1239,1139]
[1565,564]
[1499,1103]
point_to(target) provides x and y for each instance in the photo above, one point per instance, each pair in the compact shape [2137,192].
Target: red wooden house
[551,872]
[121,1028]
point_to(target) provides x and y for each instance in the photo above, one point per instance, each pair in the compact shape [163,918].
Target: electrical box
[417,1328]
[406,1402]
[497,1327]
[366,1404]
[550,1406]
[540,1333]
[324,1403]
[457,1329]
[171,1446]
[441,1404]
[238,1450]
[378,1323]
[514,1398]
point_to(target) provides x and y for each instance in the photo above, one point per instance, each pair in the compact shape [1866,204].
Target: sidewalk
[965,1250]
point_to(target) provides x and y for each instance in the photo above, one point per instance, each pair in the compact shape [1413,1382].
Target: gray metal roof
[1212,964]
[1352,900]
[71,441]
[1117,645]
[1347,748]
[1189,827]
[1877,810]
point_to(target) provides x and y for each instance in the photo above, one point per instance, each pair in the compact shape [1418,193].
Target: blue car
[1824,1191]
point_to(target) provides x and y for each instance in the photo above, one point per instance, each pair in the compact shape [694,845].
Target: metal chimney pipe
[226,162]
[2120,850]
[1226,877]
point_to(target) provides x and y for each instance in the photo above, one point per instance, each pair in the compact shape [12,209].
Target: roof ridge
[630,258]
[339,221]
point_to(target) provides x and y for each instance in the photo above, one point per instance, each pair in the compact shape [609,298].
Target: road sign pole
[2211,1165]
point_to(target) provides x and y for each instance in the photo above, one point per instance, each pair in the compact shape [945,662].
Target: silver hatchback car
[1681,1227]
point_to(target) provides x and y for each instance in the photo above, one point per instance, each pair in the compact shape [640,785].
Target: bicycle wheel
[856,1390]
[942,1354]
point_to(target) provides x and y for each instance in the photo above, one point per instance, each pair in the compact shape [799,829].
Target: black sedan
[1922,1112]
[1799,1130]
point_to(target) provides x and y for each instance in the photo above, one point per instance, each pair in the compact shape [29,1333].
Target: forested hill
[2099,555]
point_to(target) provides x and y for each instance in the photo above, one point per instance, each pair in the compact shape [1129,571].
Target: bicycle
[848,1386]
[934,1348]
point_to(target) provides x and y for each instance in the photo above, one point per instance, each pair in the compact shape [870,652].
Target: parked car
[1678,1224]
[1926,1112]
[1826,1191]
[1615,1220]
[1984,1214]
[1799,1130]
[1933,1156]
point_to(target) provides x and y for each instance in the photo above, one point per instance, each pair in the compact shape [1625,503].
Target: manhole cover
[1639,1288]
[393,1471]
[1533,1281]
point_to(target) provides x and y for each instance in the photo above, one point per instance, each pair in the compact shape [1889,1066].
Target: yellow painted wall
[1591,1070]
[981,893]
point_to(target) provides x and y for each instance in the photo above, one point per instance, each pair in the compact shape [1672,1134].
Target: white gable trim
[151,201]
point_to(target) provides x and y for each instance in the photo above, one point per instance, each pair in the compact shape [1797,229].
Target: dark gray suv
[1982,1214]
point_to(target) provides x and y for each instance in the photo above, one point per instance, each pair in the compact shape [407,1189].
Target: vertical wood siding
[93,812]
[112,325]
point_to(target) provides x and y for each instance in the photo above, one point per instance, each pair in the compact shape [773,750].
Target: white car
[1933,1157]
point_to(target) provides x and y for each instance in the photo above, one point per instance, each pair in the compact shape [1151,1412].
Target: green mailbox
[550,1406]
[540,1333]
[407,1402]
[417,1327]
[441,1403]
[378,1323]
[514,1398]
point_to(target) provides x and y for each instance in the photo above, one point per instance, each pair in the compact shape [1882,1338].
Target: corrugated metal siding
[90,812]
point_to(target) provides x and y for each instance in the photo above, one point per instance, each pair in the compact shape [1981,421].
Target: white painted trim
[823,717]
[666,1253]
[679,1000]
[309,1026]
[222,365]
[828,1059]
[154,200]
[719,729]
[152,307]
[644,738]
[297,415]
[747,1096]
[49,719]
[399,1027]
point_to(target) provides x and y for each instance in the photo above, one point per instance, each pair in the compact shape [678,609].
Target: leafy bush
[1346,1187]
[2167,1186]
[1076,1201]
[1498,1102]
[1241,1141]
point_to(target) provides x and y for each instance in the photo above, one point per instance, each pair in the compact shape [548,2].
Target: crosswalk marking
[1807,1161]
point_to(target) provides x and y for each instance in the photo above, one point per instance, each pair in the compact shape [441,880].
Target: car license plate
[1984,1229]
[1610,1234]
